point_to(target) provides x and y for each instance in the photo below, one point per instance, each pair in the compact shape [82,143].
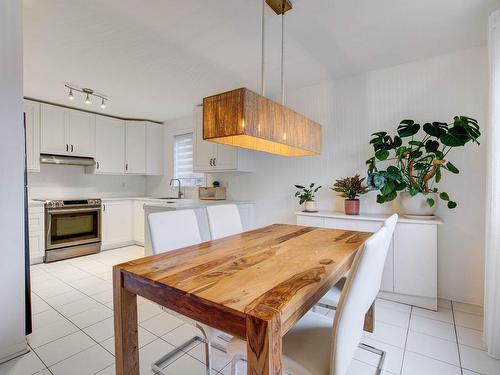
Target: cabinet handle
[126,166]
[71,148]
[97,165]
[210,161]
[215,162]
[103,207]
[67,147]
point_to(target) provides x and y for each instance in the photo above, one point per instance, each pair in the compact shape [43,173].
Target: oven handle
[71,211]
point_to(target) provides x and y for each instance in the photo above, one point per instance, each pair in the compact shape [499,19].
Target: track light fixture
[89,93]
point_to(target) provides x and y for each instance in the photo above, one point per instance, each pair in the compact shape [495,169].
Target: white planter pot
[417,205]
[310,206]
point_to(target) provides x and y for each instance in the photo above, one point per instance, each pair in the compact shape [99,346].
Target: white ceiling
[157,59]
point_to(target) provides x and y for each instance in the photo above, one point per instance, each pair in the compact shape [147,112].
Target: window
[183,161]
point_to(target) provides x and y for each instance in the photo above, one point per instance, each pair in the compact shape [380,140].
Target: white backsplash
[69,181]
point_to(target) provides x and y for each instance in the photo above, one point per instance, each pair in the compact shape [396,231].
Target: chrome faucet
[179,194]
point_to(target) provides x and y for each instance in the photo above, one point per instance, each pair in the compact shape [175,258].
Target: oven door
[73,226]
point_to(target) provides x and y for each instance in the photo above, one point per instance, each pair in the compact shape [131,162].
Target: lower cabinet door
[117,226]
[139,222]
[415,261]
[37,247]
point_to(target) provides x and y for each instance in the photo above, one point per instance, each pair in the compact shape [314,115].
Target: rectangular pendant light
[243,118]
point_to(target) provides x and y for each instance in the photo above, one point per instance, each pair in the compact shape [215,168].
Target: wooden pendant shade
[243,118]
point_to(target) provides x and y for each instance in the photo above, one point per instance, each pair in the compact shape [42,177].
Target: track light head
[87,100]
[71,96]
[103,104]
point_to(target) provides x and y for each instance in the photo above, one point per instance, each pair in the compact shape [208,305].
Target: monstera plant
[414,161]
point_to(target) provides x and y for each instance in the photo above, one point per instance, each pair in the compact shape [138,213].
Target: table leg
[370,319]
[264,346]
[125,313]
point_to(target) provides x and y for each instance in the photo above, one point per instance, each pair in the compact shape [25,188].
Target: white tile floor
[73,330]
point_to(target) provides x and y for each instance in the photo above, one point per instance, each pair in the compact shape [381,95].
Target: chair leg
[156,366]
[325,306]
[379,352]
[208,350]
[234,363]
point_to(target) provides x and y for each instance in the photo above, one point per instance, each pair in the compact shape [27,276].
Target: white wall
[12,325]
[350,110]
[70,181]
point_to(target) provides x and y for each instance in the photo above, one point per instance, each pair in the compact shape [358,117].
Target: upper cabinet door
[81,133]
[154,149]
[204,152]
[110,145]
[135,147]
[226,157]
[54,130]
[32,113]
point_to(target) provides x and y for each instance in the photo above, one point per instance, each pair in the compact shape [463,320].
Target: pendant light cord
[283,55]
[262,84]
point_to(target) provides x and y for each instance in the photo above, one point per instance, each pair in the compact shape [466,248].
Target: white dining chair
[318,346]
[331,299]
[172,230]
[224,220]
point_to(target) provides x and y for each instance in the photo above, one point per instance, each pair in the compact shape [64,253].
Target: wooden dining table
[255,285]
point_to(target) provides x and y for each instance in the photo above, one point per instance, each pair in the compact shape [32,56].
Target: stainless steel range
[73,228]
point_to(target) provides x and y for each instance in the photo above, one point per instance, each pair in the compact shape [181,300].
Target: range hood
[66,160]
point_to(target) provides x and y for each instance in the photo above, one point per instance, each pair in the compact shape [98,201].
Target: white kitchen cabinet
[410,272]
[139,222]
[135,147]
[154,149]
[53,130]
[110,145]
[66,131]
[36,233]
[81,133]
[117,223]
[415,260]
[32,113]
[216,157]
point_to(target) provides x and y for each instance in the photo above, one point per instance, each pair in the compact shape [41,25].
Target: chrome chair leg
[376,351]
[237,358]
[156,366]
[234,363]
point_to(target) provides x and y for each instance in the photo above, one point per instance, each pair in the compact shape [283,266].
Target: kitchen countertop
[176,203]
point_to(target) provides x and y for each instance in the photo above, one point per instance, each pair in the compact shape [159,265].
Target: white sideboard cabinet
[410,273]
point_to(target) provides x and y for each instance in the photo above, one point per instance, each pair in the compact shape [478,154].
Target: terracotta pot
[310,206]
[351,206]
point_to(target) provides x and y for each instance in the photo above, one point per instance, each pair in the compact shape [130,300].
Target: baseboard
[14,350]
[423,302]
[36,260]
[117,245]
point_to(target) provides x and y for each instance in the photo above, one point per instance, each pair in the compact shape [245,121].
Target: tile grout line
[41,360]
[79,329]
[406,340]
[456,337]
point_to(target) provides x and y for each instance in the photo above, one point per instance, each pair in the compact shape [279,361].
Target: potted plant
[306,195]
[216,184]
[414,163]
[350,188]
